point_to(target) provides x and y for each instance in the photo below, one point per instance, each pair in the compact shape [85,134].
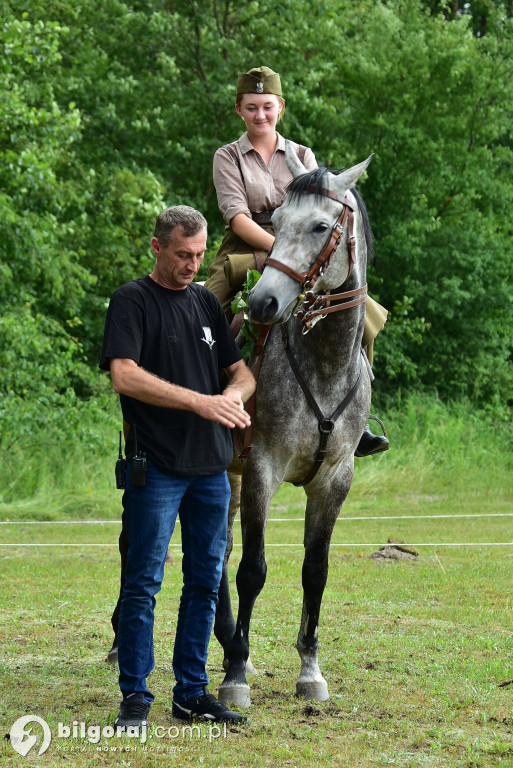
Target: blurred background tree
[112,111]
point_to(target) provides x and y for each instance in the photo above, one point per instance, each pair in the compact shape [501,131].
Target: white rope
[347,544]
[270,520]
[395,517]
[61,522]
[57,545]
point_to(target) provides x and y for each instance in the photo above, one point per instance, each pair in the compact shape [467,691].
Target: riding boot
[370,443]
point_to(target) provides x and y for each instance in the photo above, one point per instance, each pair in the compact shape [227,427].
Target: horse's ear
[294,164]
[348,178]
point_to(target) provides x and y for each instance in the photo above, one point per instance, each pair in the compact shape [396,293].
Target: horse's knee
[224,624]
[315,572]
[251,574]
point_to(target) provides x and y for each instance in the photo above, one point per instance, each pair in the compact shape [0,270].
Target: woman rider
[250,177]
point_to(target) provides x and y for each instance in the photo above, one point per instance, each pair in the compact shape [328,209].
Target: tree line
[112,111]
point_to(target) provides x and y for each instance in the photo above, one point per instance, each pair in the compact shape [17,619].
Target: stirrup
[375,418]
[370,443]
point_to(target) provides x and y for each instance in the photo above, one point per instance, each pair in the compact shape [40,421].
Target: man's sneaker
[133,711]
[206,707]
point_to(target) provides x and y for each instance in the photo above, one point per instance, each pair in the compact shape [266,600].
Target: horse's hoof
[250,669]
[237,694]
[316,691]
[112,657]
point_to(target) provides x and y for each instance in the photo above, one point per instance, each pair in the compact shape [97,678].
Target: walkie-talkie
[138,465]
[120,470]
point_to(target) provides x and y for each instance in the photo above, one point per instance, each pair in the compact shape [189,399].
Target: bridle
[312,307]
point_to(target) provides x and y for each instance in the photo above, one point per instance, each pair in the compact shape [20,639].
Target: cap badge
[260,87]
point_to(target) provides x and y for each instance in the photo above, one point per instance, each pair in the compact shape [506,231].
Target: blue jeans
[150,516]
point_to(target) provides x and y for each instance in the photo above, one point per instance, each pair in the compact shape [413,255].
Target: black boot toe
[370,444]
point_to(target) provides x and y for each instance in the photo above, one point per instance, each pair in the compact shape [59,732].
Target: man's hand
[235,395]
[241,383]
[226,409]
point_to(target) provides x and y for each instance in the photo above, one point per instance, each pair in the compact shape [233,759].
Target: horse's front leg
[251,574]
[224,624]
[321,515]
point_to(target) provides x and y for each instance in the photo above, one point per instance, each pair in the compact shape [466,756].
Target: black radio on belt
[137,465]
[120,470]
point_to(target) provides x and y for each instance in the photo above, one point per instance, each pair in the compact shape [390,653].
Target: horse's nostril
[270,306]
[264,311]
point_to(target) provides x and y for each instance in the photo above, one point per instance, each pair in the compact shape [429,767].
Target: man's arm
[128,378]
[241,384]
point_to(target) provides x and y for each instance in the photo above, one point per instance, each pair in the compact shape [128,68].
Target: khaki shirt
[251,186]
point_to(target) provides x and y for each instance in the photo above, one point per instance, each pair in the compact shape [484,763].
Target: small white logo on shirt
[208,336]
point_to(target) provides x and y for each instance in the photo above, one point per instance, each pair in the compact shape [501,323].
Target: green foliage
[42,282]
[111,111]
[403,329]
[430,99]
[59,454]
[240,304]
[479,13]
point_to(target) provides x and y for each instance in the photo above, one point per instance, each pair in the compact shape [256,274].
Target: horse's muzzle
[264,310]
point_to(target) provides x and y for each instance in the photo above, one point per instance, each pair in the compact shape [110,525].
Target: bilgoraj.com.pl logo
[24,739]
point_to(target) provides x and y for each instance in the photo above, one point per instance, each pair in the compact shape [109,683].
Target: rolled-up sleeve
[245,184]
[231,194]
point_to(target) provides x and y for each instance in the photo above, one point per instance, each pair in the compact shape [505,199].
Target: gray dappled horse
[304,433]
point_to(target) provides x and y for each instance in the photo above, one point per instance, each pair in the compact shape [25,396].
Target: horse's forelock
[313,180]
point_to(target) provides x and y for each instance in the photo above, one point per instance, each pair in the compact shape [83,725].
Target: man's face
[179,261]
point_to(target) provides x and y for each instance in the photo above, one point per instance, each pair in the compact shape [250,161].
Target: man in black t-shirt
[166,341]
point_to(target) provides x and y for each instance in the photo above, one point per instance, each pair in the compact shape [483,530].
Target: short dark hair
[188,219]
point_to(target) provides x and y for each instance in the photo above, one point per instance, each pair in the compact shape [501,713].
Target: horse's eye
[321,227]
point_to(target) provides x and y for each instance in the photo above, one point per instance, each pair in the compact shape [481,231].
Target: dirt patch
[395,550]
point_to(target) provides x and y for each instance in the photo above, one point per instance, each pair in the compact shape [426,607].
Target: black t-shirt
[181,336]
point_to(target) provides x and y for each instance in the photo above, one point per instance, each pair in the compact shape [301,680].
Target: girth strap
[326,425]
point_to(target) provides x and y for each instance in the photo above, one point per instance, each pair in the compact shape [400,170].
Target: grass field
[418,655]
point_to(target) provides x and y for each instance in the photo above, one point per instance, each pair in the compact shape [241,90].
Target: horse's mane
[313,183]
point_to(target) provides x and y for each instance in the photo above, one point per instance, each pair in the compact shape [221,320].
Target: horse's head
[317,245]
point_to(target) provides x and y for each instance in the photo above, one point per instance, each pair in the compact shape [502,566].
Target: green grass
[441,456]
[414,652]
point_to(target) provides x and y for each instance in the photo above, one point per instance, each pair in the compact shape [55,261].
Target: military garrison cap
[259,80]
